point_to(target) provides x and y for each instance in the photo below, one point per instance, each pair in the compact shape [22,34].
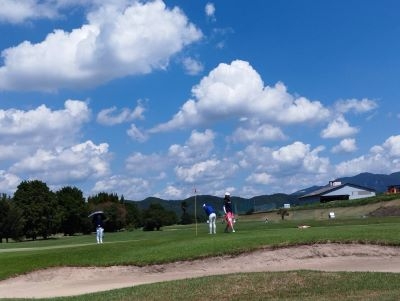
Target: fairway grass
[177,243]
[296,285]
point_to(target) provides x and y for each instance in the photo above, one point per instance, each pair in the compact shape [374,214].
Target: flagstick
[195,208]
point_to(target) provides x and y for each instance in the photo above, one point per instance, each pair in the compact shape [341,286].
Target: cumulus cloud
[114,43]
[130,188]
[256,132]
[297,158]
[205,169]
[381,159]
[236,90]
[21,131]
[259,178]
[18,122]
[173,192]
[112,116]
[355,105]
[337,128]
[347,145]
[287,167]
[18,11]
[142,164]
[60,165]
[392,146]
[197,147]
[8,182]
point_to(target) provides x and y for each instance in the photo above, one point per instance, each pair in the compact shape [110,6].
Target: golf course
[305,256]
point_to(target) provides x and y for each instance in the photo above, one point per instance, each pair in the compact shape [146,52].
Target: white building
[337,191]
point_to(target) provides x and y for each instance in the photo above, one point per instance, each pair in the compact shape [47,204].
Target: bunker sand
[69,281]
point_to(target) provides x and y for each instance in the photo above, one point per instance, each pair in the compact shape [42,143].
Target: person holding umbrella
[98,218]
[228,212]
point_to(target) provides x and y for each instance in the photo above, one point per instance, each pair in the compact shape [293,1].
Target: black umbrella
[96,213]
[98,217]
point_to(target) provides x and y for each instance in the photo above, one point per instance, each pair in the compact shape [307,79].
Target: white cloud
[8,182]
[236,91]
[291,154]
[201,140]
[112,116]
[137,134]
[172,192]
[347,145]
[114,43]
[141,164]
[18,11]
[257,132]
[284,169]
[208,170]
[197,147]
[383,158]
[210,11]
[76,163]
[297,158]
[18,122]
[42,143]
[192,66]
[259,178]
[22,131]
[131,188]
[358,106]
[338,128]
[392,146]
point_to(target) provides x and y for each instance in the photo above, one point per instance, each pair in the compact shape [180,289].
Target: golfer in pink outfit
[228,212]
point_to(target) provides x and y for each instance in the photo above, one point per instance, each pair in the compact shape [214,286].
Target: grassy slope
[180,242]
[322,213]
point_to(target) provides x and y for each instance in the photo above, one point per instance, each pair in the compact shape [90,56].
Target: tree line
[37,212]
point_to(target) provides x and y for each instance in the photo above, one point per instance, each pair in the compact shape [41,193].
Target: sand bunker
[69,281]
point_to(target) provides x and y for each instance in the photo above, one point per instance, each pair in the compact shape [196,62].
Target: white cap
[204,205]
[227,193]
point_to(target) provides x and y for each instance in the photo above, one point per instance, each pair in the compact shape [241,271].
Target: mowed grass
[178,243]
[296,285]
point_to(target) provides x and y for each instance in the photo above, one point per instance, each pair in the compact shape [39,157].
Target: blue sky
[157,98]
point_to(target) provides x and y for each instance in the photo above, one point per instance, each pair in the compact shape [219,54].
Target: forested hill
[379,182]
[241,205]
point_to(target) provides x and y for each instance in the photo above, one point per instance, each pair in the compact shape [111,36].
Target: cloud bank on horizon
[156,98]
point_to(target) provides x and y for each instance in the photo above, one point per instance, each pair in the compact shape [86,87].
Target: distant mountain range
[379,182]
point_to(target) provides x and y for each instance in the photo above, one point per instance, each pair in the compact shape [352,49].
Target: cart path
[69,281]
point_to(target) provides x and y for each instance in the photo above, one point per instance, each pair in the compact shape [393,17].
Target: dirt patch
[386,211]
[69,281]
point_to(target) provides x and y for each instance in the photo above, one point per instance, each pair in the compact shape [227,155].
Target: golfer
[99,228]
[228,212]
[211,218]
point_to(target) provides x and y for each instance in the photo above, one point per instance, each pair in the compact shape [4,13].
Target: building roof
[330,188]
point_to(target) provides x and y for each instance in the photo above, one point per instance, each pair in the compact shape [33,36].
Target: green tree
[133,215]
[156,216]
[283,212]
[113,209]
[39,209]
[185,218]
[11,220]
[73,210]
[103,197]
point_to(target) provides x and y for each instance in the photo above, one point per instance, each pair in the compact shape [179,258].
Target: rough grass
[181,243]
[321,211]
[296,285]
